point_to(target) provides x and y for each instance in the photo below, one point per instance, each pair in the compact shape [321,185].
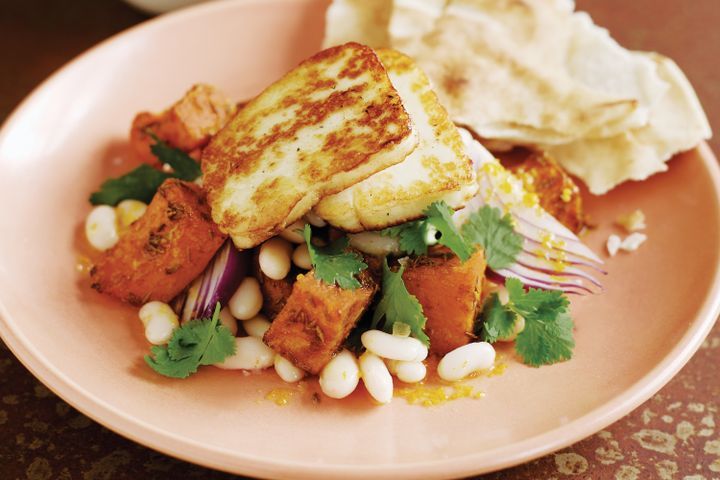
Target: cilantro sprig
[142,182]
[333,264]
[495,234]
[548,334]
[397,305]
[484,227]
[198,342]
[415,237]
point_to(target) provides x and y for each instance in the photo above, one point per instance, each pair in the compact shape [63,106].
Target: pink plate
[71,133]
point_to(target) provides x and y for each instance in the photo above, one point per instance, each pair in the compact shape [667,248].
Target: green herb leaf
[548,334]
[140,184]
[439,215]
[397,305]
[414,237]
[184,166]
[499,322]
[198,342]
[545,341]
[332,264]
[496,235]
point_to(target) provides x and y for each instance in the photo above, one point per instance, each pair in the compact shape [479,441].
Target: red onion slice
[552,256]
[216,284]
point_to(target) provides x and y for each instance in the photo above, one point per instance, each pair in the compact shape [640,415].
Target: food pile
[344,224]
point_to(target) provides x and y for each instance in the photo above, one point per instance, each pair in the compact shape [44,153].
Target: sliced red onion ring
[216,284]
[552,257]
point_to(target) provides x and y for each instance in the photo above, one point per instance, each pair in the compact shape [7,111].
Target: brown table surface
[671,436]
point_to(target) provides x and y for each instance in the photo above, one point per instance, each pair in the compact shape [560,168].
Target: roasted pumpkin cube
[317,319]
[162,251]
[557,192]
[449,291]
[188,124]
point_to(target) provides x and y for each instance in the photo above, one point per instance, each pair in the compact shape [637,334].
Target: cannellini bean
[408,372]
[301,257]
[159,321]
[274,258]
[340,376]
[247,300]
[251,354]
[394,347]
[613,244]
[294,232]
[256,326]
[286,370]
[518,327]
[228,321]
[314,219]
[463,361]
[130,210]
[376,377]
[101,227]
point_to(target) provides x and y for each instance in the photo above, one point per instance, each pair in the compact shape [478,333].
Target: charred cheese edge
[438,169]
[329,123]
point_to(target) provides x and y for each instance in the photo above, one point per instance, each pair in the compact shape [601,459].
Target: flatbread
[676,123]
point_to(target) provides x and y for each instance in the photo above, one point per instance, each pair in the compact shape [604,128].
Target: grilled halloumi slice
[329,123]
[438,169]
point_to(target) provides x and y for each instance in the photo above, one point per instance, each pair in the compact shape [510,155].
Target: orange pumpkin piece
[162,251]
[449,292]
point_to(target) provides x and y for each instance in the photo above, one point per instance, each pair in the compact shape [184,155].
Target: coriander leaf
[544,341]
[139,184]
[439,215]
[397,305]
[548,333]
[198,342]
[534,301]
[498,321]
[332,264]
[496,235]
[184,166]
[412,236]
[160,361]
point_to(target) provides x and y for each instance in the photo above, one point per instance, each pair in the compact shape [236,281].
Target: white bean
[274,258]
[256,326]
[286,370]
[463,361]
[340,376]
[228,321]
[247,300]
[374,243]
[376,377]
[394,347]
[130,210]
[251,354]
[101,227]
[314,219]
[294,232]
[159,321]
[301,257]
[408,372]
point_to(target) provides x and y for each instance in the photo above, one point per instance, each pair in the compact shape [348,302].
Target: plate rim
[224,459]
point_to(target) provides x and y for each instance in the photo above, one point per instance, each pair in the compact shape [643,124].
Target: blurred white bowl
[161,6]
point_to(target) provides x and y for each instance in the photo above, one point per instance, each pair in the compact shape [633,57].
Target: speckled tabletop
[671,436]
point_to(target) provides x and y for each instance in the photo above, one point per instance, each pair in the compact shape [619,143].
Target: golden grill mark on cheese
[331,122]
[438,169]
